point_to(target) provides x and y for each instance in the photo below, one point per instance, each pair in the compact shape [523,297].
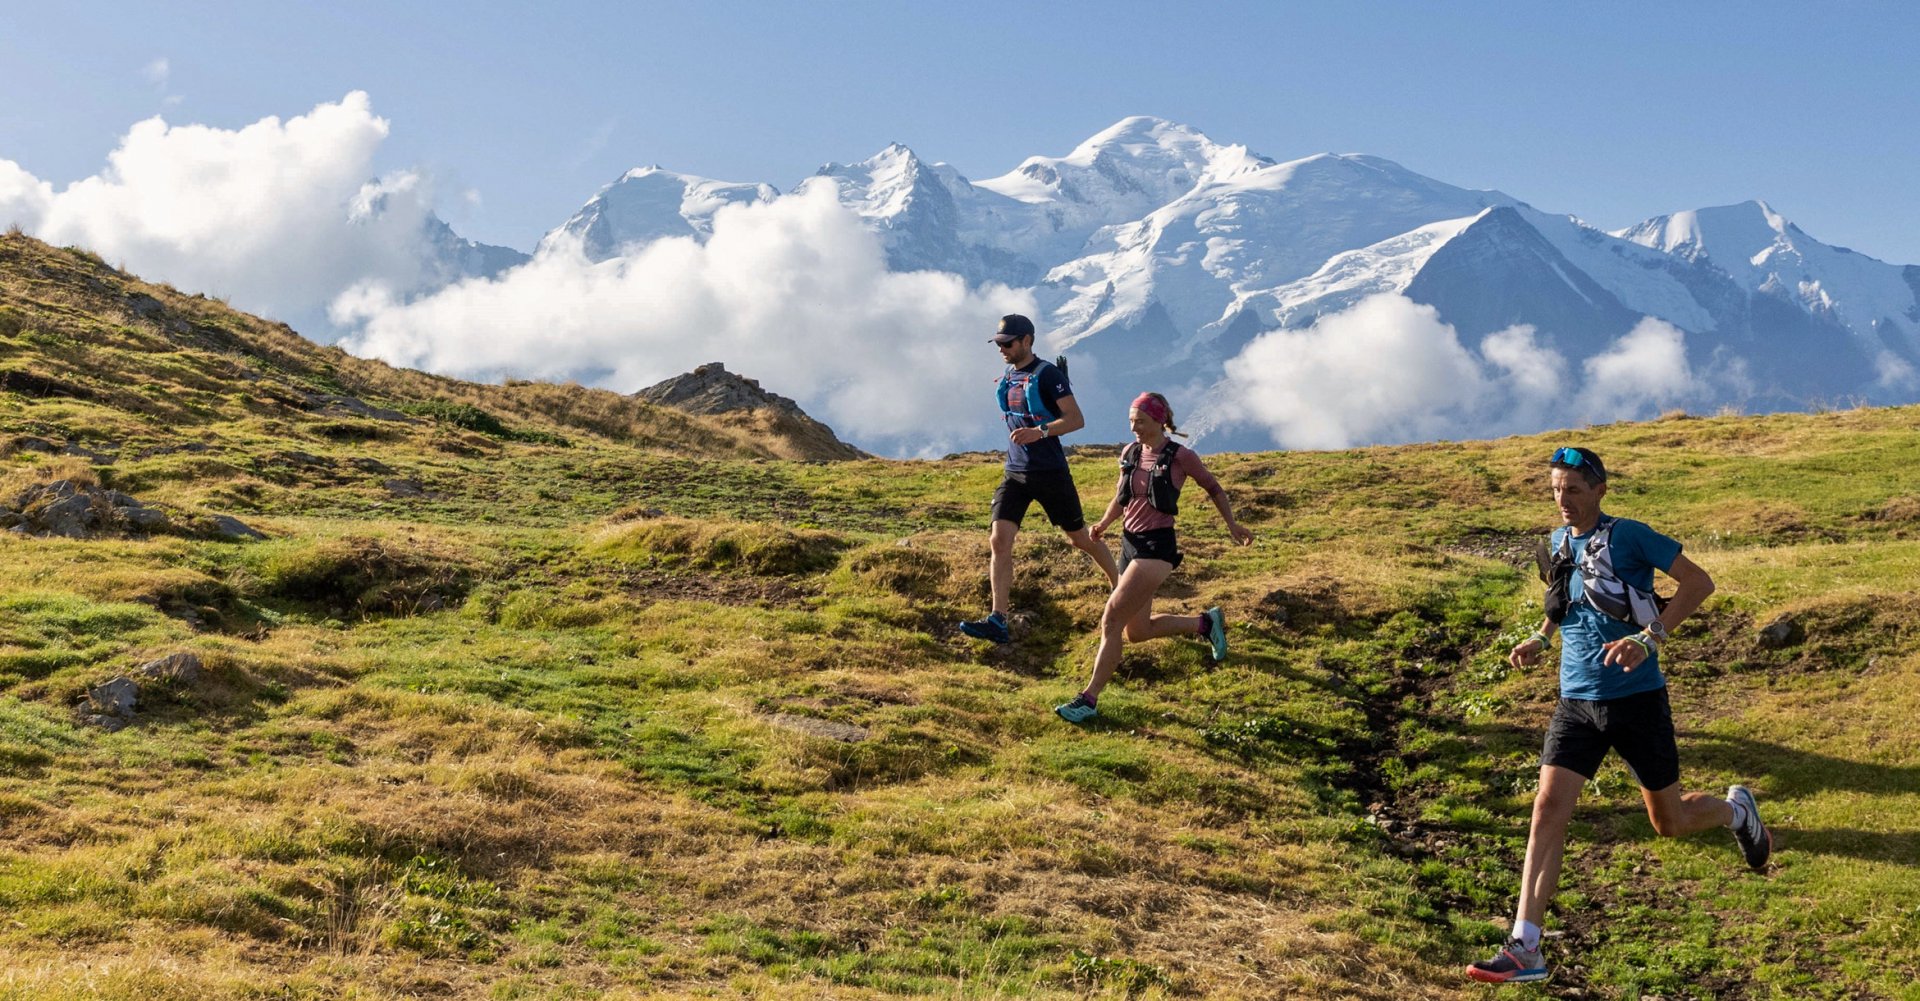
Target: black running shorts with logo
[1152,544]
[1639,726]
[1053,488]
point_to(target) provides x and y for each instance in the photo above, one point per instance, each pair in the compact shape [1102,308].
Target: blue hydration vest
[1037,409]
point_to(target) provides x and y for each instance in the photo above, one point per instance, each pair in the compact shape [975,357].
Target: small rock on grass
[179,667]
[1781,633]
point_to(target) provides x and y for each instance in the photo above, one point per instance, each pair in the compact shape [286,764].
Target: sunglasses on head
[1568,457]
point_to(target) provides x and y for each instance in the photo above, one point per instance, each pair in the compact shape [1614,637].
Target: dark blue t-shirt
[1637,552]
[1046,453]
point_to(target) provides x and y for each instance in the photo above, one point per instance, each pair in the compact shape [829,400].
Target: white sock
[1528,933]
[1739,813]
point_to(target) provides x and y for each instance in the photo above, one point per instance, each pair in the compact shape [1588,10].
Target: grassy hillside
[524,709]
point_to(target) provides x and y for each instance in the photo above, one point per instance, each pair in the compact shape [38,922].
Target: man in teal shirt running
[1612,695]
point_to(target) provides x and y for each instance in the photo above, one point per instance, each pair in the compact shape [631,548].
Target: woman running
[1152,471]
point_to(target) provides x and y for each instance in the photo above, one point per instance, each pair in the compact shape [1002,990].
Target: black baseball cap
[1574,457]
[1013,326]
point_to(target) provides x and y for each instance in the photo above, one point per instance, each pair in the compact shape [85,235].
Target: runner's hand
[1527,653]
[1026,436]
[1099,528]
[1241,533]
[1627,653]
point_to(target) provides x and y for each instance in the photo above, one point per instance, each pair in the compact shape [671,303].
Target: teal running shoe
[1217,633]
[993,628]
[1077,711]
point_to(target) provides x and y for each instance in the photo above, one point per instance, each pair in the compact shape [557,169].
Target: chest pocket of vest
[1600,587]
[1160,489]
[1025,387]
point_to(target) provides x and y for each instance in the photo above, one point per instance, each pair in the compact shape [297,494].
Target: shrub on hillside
[358,576]
[752,547]
[1905,508]
[472,418]
[910,573]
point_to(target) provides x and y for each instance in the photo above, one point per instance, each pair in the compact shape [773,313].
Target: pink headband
[1153,408]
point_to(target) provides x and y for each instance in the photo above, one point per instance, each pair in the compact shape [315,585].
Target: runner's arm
[1528,650]
[1197,470]
[1068,422]
[1070,419]
[1695,586]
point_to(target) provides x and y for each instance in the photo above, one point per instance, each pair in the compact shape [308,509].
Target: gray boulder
[180,668]
[28,443]
[73,517]
[115,698]
[328,403]
[229,527]
[1781,633]
[145,519]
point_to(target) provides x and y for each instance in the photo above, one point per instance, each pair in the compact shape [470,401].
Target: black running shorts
[1053,488]
[1639,726]
[1153,544]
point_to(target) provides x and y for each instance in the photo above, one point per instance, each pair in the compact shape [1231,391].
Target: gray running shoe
[1217,633]
[1513,964]
[1756,842]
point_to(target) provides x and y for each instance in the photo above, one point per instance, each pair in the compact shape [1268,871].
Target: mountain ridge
[1152,233]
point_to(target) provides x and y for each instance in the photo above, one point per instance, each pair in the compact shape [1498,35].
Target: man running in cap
[1612,697]
[1038,406]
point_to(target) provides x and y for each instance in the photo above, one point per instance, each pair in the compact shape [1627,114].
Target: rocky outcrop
[739,403]
[711,389]
[76,509]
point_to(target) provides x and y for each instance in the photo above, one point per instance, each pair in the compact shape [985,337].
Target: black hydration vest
[1160,489]
[1600,588]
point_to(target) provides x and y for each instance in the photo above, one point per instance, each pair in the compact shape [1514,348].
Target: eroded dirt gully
[1408,690]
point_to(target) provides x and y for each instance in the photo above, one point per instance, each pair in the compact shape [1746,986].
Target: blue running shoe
[993,627]
[1513,964]
[1077,711]
[1217,633]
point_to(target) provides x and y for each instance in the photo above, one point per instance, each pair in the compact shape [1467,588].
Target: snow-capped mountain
[452,257]
[647,204]
[1158,254]
[931,218]
[1765,254]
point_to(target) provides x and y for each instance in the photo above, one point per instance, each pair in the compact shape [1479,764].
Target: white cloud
[24,198]
[1385,370]
[264,215]
[157,72]
[1895,372]
[1640,373]
[1389,370]
[795,293]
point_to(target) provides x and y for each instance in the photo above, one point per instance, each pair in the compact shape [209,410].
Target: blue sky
[1613,111]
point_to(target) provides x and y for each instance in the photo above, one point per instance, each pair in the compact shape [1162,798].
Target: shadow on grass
[1792,772]
[1783,771]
